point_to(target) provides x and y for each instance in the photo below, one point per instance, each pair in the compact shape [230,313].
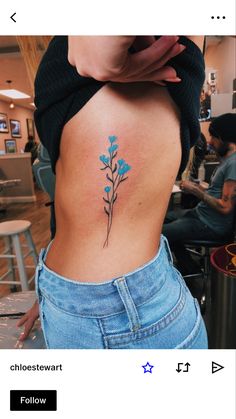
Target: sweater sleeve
[190,67]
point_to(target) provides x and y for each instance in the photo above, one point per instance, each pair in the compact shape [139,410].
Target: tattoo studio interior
[82,192]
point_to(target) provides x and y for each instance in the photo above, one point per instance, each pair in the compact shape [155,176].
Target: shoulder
[229,168]
[231,161]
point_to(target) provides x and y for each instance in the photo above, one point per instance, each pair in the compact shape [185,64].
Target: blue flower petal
[124,169]
[121,162]
[112,148]
[107,189]
[104,159]
[112,138]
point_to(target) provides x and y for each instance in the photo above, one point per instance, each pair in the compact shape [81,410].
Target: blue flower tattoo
[116,172]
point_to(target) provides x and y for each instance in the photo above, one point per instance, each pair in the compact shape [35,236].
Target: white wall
[222,57]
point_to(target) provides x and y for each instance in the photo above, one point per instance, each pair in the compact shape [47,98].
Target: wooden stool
[10,231]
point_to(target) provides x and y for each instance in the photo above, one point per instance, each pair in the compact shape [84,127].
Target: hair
[224,127]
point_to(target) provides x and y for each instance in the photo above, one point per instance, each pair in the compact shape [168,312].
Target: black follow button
[33,400]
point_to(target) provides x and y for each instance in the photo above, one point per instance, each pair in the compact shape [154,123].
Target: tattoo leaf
[107,212]
[122,180]
[106,200]
[114,170]
[114,155]
[108,177]
[114,200]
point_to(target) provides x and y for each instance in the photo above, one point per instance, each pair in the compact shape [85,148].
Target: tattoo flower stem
[116,171]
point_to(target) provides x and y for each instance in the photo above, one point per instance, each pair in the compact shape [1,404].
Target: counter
[17,166]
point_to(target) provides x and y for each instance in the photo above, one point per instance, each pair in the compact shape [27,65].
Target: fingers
[28,323]
[162,74]
[173,79]
[142,42]
[165,73]
[140,67]
[160,83]
[22,320]
[175,50]
[159,76]
[158,49]
[149,56]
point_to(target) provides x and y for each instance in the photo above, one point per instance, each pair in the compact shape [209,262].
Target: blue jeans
[148,308]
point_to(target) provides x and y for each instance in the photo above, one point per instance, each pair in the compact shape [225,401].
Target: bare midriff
[146,123]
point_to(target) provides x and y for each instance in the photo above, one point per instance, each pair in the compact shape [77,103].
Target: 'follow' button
[33,400]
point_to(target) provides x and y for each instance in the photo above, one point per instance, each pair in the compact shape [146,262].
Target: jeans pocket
[156,335]
[62,330]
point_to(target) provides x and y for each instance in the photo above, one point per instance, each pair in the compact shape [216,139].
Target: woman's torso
[146,123]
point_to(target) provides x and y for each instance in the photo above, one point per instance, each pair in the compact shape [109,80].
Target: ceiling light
[14,94]
[11,106]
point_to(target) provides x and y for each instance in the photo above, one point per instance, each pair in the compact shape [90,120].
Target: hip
[150,307]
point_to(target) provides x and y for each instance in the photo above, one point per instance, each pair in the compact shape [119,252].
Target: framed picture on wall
[15,128]
[10,146]
[3,122]
[30,128]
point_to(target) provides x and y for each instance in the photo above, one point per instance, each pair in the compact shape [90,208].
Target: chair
[43,173]
[10,232]
[4,184]
[210,169]
[46,180]
[204,254]
[205,246]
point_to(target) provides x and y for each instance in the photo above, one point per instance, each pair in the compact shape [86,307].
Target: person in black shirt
[31,147]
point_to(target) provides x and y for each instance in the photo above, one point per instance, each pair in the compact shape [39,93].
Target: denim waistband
[92,299]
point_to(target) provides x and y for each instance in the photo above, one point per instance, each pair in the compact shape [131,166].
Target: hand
[192,188]
[28,320]
[188,186]
[107,57]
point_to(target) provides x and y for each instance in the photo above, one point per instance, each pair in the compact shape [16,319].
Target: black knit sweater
[60,92]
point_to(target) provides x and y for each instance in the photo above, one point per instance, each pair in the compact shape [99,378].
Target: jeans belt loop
[128,302]
[167,246]
[40,262]
[39,267]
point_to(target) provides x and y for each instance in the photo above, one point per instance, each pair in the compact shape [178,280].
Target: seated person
[45,180]
[31,147]
[200,149]
[212,218]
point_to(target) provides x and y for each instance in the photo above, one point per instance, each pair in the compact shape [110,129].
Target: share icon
[216,367]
